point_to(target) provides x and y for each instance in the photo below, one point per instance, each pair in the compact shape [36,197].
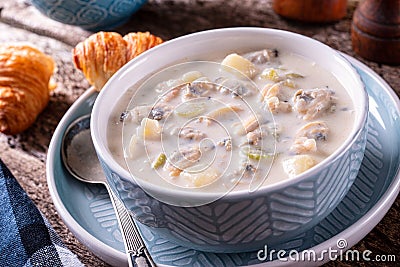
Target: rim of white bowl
[101,145]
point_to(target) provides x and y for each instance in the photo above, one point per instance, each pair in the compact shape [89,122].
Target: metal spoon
[80,159]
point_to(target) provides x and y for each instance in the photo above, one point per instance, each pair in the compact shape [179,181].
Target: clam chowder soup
[258,117]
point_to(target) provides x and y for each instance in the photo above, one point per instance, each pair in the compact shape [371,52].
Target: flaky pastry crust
[139,42]
[103,53]
[25,74]
[100,56]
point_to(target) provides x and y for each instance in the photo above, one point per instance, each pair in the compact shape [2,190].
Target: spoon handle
[138,255]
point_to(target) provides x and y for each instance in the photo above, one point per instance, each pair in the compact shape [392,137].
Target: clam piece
[254,137]
[227,143]
[304,145]
[276,106]
[307,136]
[259,135]
[311,104]
[171,94]
[196,89]
[250,124]
[163,87]
[160,111]
[273,99]
[234,87]
[138,113]
[190,133]
[317,130]
[182,159]
[263,56]
[270,90]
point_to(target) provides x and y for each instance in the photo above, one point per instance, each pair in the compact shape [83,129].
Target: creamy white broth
[231,167]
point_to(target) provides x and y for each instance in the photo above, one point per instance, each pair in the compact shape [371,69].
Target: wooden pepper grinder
[313,11]
[375,30]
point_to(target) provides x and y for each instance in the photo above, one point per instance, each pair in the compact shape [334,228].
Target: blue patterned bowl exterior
[91,15]
[248,223]
[245,221]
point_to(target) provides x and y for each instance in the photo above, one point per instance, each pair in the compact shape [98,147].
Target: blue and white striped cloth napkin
[26,237]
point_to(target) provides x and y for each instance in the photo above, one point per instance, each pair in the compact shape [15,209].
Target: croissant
[139,42]
[103,53]
[100,56]
[25,74]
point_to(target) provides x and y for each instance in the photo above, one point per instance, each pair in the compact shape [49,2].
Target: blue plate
[87,211]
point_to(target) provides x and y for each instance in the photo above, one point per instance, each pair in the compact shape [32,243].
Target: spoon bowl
[78,152]
[80,159]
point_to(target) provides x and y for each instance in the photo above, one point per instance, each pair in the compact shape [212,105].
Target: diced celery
[292,75]
[160,160]
[256,153]
[271,74]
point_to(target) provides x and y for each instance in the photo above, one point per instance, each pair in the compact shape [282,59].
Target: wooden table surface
[25,154]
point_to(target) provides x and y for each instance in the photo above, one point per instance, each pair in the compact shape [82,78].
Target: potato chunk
[241,64]
[191,76]
[202,178]
[151,129]
[298,164]
[135,147]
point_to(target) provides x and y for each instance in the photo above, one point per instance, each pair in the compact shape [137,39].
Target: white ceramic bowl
[240,220]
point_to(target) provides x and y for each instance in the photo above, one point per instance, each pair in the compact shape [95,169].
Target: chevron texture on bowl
[247,224]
